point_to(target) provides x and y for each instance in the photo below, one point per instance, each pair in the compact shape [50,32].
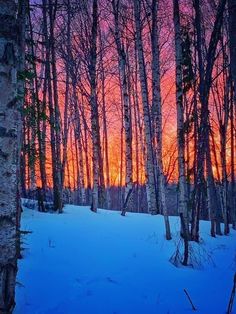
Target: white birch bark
[125,98]
[180,119]
[149,167]
[94,109]
[105,132]
[10,123]
[78,133]
[58,202]
[157,111]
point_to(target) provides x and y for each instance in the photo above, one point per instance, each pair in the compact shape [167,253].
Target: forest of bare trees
[101,81]
[124,105]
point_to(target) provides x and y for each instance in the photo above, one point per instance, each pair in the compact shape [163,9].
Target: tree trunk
[183,209]
[38,117]
[122,60]
[149,165]
[78,138]
[66,103]
[203,154]
[58,203]
[105,133]
[157,113]
[232,41]
[94,109]
[11,60]
[57,193]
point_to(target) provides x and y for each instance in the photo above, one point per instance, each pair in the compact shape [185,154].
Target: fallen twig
[188,296]
[231,300]
[25,231]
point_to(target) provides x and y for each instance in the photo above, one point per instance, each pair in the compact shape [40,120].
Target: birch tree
[232,44]
[94,107]
[50,67]
[203,149]
[58,203]
[125,98]
[182,205]
[149,164]
[67,90]
[11,61]
[157,113]
[232,40]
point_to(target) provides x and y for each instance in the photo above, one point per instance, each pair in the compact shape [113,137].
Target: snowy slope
[87,263]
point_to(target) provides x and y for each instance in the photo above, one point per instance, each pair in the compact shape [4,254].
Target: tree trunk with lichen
[11,95]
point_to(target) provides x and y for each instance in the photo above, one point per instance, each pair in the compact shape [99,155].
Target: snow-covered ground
[86,263]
